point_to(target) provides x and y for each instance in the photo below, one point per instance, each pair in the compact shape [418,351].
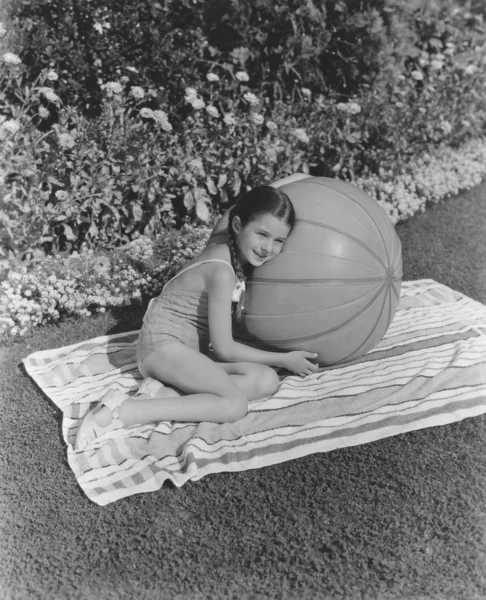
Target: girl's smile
[261,239]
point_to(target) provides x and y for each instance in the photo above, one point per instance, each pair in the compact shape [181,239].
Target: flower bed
[154,156]
[429,178]
[88,282]
[89,193]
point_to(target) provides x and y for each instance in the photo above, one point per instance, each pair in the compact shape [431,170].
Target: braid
[237,266]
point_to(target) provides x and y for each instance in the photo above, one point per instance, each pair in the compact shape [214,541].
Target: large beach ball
[335,286]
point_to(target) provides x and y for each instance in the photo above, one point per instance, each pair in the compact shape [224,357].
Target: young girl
[183,382]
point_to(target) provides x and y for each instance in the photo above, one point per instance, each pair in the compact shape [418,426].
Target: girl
[194,310]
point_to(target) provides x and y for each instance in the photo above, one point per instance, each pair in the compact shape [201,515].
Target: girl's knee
[268,382]
[235,405]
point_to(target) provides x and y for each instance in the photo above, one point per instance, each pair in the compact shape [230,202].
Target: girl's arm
[221,330]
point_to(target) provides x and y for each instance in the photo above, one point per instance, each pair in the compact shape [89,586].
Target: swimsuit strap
[201,263]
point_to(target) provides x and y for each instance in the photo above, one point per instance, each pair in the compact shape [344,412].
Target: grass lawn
[403,517]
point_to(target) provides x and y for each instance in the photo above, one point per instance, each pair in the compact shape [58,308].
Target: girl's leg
[257,381]
[211,394]
[217,392]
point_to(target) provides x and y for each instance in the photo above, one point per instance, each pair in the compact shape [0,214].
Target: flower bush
[88,282]
[112,165]
[428,179]
[105,181]
[148,162]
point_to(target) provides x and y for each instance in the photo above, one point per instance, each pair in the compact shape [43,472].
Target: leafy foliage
[135,117]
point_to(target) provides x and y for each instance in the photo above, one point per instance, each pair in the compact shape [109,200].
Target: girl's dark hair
[261,200]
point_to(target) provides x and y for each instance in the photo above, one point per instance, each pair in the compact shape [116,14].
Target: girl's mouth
[259,255]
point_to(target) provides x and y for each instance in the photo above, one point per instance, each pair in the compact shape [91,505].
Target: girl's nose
[267,247]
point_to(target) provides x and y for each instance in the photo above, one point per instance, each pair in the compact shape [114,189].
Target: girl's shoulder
[215,251]
[218,259]
[204,271]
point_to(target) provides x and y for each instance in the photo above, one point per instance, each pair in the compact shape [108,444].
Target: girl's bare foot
[153,388]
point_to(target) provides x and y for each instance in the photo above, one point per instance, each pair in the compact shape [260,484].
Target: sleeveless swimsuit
[175,316]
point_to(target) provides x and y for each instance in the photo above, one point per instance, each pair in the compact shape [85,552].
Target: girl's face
[261,239]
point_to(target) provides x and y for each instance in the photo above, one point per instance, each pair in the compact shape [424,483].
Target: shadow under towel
[429,370]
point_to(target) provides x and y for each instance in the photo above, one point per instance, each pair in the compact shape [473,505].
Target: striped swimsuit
[179,317]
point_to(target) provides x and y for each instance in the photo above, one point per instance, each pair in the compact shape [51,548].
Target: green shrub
[284,44]
[152,158]
[87,282]
[328,46]
[108,179]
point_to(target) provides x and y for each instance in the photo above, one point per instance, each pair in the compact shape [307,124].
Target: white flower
[160,114]
[3,31]
[242,76]
[43,112]
[229,119]
[350,108]
[197,104]
[191,95]
[271,125]
[196,163]
[257,118]
[251,99]
[301,135]
[212,111]
[450,48]
[212,77]
[49,94]
[132,69]
[417,75]
[423,61]
[100,27]
[52,75]
[446,127]
[137,92]
[65,140]
[161,117]
[436,65]
[146,113]
[62,195]
[11,58]
[470,69]
[12,126]
[112,87]
[306,92]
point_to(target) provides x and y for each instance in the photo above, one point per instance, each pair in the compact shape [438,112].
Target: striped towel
[430,369]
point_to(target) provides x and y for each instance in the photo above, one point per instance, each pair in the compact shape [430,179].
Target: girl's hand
[297,362]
